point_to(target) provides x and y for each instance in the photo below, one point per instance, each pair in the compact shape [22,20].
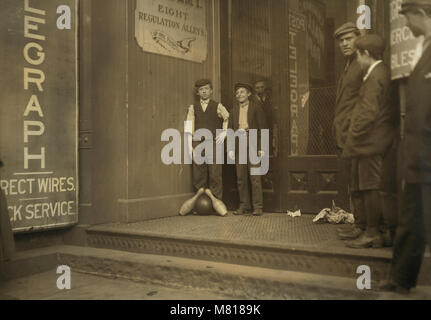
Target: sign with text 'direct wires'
[38,113]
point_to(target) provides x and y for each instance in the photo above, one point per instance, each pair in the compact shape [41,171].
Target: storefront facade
[135,81]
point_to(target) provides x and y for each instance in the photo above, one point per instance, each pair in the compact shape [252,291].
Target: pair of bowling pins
[189,205]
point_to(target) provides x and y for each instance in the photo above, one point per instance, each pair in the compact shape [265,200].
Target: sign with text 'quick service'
[38,112]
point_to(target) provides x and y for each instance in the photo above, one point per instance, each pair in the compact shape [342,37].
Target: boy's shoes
[345,229]
[366,241]
[257,212]
[354,234]
[241,212]
[390,286]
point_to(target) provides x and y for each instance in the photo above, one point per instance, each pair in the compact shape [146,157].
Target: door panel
[313,182]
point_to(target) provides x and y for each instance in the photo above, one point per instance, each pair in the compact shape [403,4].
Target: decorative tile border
[293,260]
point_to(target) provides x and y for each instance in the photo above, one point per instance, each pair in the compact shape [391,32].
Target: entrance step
[192,275]
[326,256]
[238,282]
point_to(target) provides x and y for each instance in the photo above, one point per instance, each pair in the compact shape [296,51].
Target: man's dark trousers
[365,187]
[358,212]
[412,234]
[243,176]
[209,175]
[244,181]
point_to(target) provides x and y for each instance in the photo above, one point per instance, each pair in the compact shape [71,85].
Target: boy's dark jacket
[374,122]
[256,118]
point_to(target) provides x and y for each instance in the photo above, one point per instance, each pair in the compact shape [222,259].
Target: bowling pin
[218,205]
[188,206]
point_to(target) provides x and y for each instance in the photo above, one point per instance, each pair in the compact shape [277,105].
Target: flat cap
[411,4]
[202,82]
[243,85]
[257,80]
[371,42]
[346,28]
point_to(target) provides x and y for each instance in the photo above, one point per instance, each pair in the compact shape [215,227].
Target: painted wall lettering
[38,117]
[405,51]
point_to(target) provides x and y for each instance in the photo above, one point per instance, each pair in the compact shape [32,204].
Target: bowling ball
[204,205]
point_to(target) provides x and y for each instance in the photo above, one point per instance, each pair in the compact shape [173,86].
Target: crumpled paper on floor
[295,214]
[335,215]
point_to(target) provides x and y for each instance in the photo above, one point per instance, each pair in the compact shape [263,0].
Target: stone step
[336,261]
[230,280]
[236,281]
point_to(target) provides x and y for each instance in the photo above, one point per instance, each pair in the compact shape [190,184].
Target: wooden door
[267,40]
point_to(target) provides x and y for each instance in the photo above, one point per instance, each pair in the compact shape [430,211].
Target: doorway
[288,47]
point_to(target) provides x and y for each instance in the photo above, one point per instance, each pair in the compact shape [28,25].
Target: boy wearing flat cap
[247,114]
[211,115]
[371,135]
[414,225]
[347,94]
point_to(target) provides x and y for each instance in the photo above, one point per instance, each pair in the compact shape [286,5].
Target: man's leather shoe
[401,290]
[366,241]
[241,212]
[352,235]
[257,212]
[390,286]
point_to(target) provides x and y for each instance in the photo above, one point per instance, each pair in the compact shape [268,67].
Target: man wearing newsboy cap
[347,95]
[414,225]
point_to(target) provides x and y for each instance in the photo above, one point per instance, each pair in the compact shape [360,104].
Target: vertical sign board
[403,43]
[172,28]
[299,84]
[38,112]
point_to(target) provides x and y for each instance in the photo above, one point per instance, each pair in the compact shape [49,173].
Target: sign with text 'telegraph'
[38,112]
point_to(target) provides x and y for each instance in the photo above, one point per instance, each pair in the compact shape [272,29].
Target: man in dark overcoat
[347,94]
[414,225]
